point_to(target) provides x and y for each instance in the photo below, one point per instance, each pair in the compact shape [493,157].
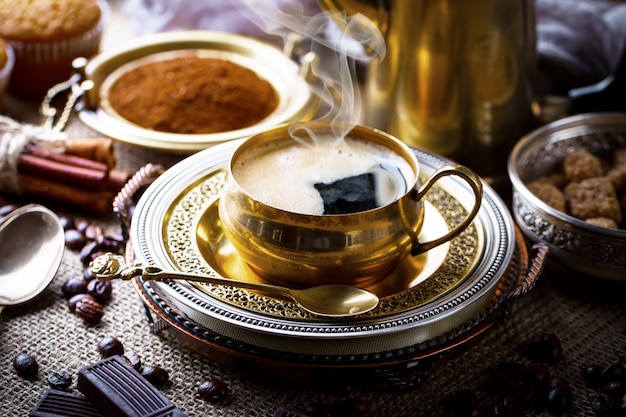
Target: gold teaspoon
[333,301]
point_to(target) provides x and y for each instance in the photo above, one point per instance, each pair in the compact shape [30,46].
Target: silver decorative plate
[175,226]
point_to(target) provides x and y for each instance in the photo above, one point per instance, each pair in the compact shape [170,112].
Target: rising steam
[337,52]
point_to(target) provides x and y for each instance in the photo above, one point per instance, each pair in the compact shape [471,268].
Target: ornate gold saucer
[175,226]
[431,305]
[416,281]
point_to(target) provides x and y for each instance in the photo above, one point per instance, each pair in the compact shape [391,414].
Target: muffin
[6,68]
[46,36]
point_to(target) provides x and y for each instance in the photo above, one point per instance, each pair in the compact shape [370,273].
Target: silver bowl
[580,246]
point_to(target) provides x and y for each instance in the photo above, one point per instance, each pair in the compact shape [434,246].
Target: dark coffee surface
[349,195]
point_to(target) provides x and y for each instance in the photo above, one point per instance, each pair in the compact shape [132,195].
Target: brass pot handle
[477,187]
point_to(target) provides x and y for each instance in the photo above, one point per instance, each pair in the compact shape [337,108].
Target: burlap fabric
[589,316]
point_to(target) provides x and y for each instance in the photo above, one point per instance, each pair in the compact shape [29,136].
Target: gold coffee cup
[287,244]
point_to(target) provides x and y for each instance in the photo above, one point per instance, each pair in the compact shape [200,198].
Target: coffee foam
[283,174]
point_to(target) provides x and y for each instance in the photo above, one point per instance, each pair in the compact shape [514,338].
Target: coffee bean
[508,376]
[602,403]
[110,346]
[81,225]
[67,222]
[89,310]
[548,349]
[26,365]
[101,245]
[592,375]
[93,231]
[108,244]
[614,388]
[539,375]
[559,395]
[73,286]
[60,380]
[71,303]
[214,391]
[74,240]
[100,290]
[614,372]
[88,274]
[155,374]
[132,359]
[87,251]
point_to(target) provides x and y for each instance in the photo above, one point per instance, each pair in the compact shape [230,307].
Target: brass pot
[299,249]
[457,76]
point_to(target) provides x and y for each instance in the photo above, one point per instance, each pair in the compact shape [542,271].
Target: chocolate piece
[118,390]
[56,403]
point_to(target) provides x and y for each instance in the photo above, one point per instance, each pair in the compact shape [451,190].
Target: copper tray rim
[519,279]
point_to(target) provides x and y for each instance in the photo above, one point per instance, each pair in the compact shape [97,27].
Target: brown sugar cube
[617,174]
[581,165]
[593,197]
[549,194]
[603,222]
[559,180]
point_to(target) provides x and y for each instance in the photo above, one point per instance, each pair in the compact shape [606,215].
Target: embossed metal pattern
[152,219]
[186,254]
[167,314]
[584,247]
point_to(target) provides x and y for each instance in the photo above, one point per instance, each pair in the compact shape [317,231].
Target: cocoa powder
[192,95]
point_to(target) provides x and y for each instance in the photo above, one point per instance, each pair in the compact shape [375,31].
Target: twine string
[14,136]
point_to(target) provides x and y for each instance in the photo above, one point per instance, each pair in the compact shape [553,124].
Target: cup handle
[477,187]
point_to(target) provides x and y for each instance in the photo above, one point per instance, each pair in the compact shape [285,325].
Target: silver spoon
[32,242]
[322,300]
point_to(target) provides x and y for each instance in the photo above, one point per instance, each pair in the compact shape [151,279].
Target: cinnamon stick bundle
[83,176]
[94,149]
[70,169]
[95,201]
